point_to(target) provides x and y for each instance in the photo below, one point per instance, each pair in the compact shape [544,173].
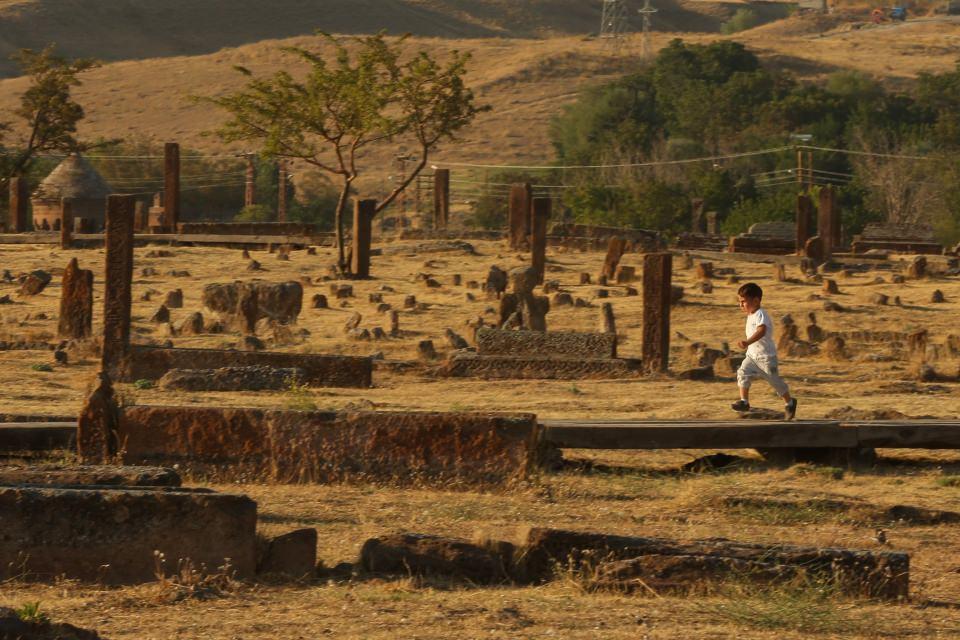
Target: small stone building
[74,178]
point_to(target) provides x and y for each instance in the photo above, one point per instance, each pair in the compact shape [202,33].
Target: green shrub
[742,20]
[42,367]
[143,384]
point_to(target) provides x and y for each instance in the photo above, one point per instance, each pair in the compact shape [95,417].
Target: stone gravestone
[657,274]
[66,223]
[119,279]
[828,223]
[538,236]
[615,249]
[696,215]
[441,198]
[19,218]
[712,223]
[363,213]
[804,221]
[521,199]
[76,302]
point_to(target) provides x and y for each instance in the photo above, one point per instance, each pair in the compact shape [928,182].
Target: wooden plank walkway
[752,434]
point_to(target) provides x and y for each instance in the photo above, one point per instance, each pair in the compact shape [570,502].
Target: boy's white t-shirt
[764,348]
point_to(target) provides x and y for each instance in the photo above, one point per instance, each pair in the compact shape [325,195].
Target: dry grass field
[642,493]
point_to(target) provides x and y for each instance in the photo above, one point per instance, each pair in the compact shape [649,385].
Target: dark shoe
[741,406]
[790,409]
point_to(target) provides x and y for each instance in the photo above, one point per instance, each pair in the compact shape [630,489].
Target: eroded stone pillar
[712,222]
[171,188]
[538,236]
[118,284]
[521,197]
[657,274]
[76,302]
[363,212]
[66,223]
[696,215]
[804,222]
[615,249]
[19,219]
[828,222]
[441,198]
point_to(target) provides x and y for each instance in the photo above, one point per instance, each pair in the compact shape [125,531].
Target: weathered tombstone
[140,217]
[538,236]
[394,323]
[363,212]
[712,223]
[704,270]
[614,252]
[828,223]
[19,218]
[171,187]
[76,302]
[804,221]
[696,215]
[608,322]
[66,223]
[779,272]
[657,274]
[521,199]
[814,250]
[441,198]
[118,284]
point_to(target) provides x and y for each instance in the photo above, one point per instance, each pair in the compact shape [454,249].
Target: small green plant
[299,397]
[143,383]
[742,20]
[575,390]
[42,366]
[949,481]
[30,612]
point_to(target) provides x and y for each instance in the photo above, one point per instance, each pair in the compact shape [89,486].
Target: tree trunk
[338,225]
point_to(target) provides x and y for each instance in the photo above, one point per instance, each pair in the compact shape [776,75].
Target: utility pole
[613,23]
[647,12]
[248,185]
[282,190]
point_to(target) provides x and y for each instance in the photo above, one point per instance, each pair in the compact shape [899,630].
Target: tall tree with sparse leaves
[348,101]
[47,109]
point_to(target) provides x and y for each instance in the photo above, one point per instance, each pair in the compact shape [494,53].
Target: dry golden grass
[636,493]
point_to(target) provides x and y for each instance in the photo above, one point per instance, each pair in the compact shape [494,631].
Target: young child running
[761,359]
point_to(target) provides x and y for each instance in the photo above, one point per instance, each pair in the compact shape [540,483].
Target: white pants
[763,369]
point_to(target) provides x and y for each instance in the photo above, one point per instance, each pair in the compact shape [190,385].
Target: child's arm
[757,335]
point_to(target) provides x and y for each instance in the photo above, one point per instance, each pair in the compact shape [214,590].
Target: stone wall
[247,228]
[319,370]
[110,535]
[512,367]
[545,344]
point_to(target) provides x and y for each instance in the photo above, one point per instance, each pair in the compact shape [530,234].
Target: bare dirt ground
[639,493]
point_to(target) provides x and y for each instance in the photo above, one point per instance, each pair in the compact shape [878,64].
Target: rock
[241,304]
[311,251]
[319,301]
[379,334]
[375,297]
[937,297]
[917,268]
[676,293]
[159,253]
[358,334]
[212,325]
[174,299]
[496,282]
[697,373]
[473,284]
[341,291]
[192,324]
[704,270]
[394,323]
[897,279]
[245,254]
[410,302]
[76,303]
[455,340]
[602,293]
[352,322]
[879,299]
[733,279]
[580,303]
[562,300]
[551,286]
[13,627]
[146,272]
[630,291]
[35,282]
[256,378]
[835,348]
[253,265]
[456,279]
[426,350]
[251,343]
[432,283]
[469,297]
[585,278]
[830,286]
[384,307]
[830,305]
[162,315]
[292,554]
[925,373]
[409,553]
[181,273]
[705,286]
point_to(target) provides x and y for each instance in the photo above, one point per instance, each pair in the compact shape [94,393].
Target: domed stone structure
[74,178]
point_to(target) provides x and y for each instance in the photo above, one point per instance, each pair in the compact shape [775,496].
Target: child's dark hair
[751,290]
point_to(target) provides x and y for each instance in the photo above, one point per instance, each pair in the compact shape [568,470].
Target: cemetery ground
[635,493]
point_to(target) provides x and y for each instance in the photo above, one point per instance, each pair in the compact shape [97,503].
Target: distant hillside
[137,29]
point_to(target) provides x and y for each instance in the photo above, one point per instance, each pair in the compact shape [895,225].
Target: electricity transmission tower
[613,23]
[647,12]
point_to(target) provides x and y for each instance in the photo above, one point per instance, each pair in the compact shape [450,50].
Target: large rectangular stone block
[533,368]
[110,535]
[317,446]
[569,344]
[247,228]
[319,370]
[75,474]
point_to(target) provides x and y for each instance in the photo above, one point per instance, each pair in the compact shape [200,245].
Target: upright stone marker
[171,188]
[615,249]
[76,302]
[19,218]
[828,222]
[521,198]
[712,222]
[441,198]
[118,284]
[538,236]
[657,273]
[141,219]
[363,211]
[696,215]
[804,222]
[66,223]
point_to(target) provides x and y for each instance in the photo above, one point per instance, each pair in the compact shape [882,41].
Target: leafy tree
[348,102]
[49,112]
